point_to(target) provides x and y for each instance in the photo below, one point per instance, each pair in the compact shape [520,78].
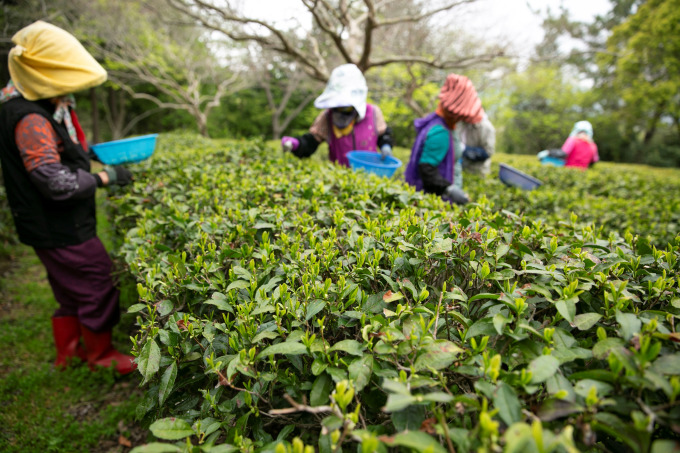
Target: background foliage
[618,75]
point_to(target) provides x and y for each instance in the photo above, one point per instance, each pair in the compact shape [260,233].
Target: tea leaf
[567,309]
[149,359]
[286,347]
[167,382]
[542,368]
[630,324]
[585,321]
[320,390]
[437,356]
[507,403]
[417,441]
[352,347]
[391,297]
[156,447]
[171,428]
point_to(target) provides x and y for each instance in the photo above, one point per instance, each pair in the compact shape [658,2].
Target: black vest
[41,222]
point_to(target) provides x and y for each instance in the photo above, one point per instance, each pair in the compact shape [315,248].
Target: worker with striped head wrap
[438,145]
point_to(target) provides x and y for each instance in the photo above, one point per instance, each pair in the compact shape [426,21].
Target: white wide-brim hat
[346,87]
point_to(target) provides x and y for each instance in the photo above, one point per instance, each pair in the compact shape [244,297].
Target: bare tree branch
[461,63]
[325,25]
[289,81]
[371,24]
[369,33]
[349,26]
[133,122]
[312,62]
[422,16]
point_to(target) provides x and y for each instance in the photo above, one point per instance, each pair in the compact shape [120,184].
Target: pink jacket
[580,152]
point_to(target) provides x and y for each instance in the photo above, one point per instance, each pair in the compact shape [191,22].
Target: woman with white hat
[347,123]
[51,192]
[438,145]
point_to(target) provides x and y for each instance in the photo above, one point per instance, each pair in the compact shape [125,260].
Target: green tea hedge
[616,197]
[291,306]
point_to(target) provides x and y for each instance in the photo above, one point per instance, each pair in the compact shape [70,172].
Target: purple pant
[80,276]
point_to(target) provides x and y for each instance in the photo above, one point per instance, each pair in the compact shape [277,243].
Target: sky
[516,18]
[512,19]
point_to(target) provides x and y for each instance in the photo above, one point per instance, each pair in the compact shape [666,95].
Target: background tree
[645,54]
[626,58]
[285,88]
[148,54]
[146,48]
[400,34]
[351,26]
[537,109]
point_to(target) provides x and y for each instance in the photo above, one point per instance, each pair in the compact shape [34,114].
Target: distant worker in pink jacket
[580,149]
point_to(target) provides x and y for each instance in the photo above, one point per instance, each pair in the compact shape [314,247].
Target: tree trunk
[649,133]
[277,130]
[201,122]
[116,112]
[95,115]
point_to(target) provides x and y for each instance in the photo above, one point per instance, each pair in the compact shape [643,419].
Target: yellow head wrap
[49,62]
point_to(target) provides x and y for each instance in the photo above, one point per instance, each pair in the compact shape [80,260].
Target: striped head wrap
[459,97]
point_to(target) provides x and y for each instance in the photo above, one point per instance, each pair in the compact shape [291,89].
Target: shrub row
[616,197]
[291,306]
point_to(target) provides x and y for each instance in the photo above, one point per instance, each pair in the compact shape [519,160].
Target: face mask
[342,119]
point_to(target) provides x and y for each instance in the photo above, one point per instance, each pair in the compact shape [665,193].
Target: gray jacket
[483,135]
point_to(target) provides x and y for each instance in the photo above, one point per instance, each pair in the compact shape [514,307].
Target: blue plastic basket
[554,161]
[126,151]
[372,162]
[513,177]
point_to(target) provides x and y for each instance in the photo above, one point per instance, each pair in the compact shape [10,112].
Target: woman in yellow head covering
[51,191]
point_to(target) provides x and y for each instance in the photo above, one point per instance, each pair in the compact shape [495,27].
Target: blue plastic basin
[127,150]
[372,162]
[554,161]
[513,177]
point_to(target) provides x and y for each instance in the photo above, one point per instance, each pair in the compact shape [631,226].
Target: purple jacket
[364,137]
[423,126]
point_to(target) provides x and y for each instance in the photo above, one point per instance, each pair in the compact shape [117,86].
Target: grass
[43,409]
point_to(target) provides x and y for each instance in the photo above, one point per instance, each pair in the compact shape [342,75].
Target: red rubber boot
[66,331]
[100,352]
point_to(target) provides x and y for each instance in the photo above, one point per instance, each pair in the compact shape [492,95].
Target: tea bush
[616,197]
[291,306]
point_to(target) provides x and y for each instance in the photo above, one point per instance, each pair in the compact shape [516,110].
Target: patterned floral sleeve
[39,146]
[37,141]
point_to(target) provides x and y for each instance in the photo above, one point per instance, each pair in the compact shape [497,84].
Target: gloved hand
[92,155]
[289,143]
[385,150]
[475,153]
[119,175]
[456,195]
[557,153]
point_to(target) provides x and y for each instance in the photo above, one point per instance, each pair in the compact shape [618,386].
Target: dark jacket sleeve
[433,181]
[57,182]
[308,146]
[386,138]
